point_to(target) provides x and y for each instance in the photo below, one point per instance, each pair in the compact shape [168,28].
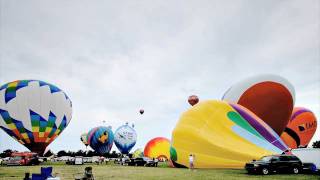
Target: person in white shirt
[191,159]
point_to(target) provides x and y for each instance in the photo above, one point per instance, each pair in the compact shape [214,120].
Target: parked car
[144,161]
[5,160]
[275,163]
[137,162]
[95,159]
[125,161]
[70,161]
[64,158]
[87,159]
[151,162]
[23,158]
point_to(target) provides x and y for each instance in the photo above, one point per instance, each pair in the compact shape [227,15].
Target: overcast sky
[114,57]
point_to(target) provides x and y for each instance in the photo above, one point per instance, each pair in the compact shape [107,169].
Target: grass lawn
[112,171]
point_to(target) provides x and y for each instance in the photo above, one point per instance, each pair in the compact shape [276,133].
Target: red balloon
[193,99]
[141,111]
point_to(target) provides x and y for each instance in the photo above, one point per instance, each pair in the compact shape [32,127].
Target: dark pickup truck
[275,163]
[143,162]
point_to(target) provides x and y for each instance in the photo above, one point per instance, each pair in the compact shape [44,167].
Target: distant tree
[114,154]
[62,153]
[71,153]
[90,153]
[316,144]
[48,154]
[6,153]
[80,153]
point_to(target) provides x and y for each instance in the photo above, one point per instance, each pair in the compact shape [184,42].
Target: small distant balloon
[193,100]
[141,111]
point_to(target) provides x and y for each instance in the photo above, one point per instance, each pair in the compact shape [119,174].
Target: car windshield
[266,158]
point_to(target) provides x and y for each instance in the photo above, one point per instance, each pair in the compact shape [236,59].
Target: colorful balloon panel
[270,97]
[125,138]
[84,139]
[300,129]
[34,112]
[101,139]
[222,135]
[158,147]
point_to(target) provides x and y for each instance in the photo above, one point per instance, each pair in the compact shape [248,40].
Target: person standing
[191,161]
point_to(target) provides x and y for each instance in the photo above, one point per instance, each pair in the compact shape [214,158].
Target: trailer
[308,156]
[23,159]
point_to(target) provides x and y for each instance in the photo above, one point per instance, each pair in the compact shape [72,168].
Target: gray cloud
[113,58]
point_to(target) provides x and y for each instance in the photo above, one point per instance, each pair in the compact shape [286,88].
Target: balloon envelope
[193,100]
[300,129]
[222,135]
[158,147]
[270,97]
[84,138]
[141,111]
[100,139]
[34,112]
[125,138]
[138,153]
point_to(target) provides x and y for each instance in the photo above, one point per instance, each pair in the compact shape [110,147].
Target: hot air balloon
[84,139]
[222,135]
[125,138]
[193,100]
[100,139]
[158,147]
[300,129]
[138,153]
[34,112]
[270,97]
[141,111]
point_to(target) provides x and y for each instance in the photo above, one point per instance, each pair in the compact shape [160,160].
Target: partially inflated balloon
[125,138]
[222,135]
[34,112]
[300,129]
[84,138]
[270,97]
[158,147]
[193,100]
[138,153]
[100,139]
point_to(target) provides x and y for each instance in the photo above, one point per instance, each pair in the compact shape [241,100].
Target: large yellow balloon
[222,135]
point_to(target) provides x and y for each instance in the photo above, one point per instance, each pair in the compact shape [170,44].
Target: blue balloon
[125,137]
[100,139]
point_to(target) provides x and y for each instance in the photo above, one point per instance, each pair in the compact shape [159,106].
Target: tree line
[113,154]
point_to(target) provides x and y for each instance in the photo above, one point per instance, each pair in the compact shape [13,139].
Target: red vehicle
[23,159]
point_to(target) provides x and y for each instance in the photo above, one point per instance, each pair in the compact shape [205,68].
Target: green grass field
[112,171]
